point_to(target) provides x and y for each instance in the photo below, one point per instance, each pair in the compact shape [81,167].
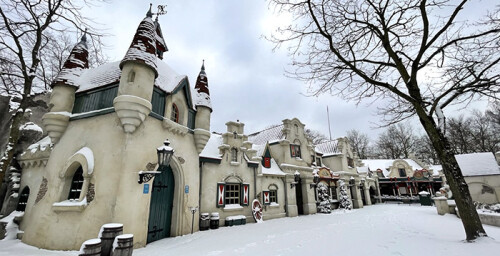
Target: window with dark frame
[318,161]
[23,199]
[232,194]
[333,192]
[273,196]
[76,185]
[174,116]
[350,162]
[267,162]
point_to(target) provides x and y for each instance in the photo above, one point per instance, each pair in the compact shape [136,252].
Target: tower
[64,87]
[203,110]
[139,72]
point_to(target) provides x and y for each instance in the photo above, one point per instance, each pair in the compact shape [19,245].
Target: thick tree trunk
[454,177]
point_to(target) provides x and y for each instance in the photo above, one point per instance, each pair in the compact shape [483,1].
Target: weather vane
[162,9]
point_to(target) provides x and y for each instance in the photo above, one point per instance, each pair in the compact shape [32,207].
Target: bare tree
[33,40]
[419,56]
[397,141]
[459,133]
[425,151]
[359,143]
[315,136]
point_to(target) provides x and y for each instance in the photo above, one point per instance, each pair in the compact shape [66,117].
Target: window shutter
[221,198]
[266,198]
[245,189]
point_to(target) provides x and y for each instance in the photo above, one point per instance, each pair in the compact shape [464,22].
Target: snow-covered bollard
[123,245]
[441,205]
[107,235]
[91,247]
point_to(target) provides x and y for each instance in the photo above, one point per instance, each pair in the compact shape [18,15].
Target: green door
[160,210]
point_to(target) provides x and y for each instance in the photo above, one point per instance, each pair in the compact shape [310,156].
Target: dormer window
[402,172]
[174,116]
[267,162]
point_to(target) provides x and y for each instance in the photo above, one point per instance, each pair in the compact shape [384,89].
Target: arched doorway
[298,196]
[160,210]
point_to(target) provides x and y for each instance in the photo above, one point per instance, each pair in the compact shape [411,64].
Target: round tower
[139,72]
[203,107]
[64,87]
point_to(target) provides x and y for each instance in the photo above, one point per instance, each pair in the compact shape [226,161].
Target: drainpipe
[201,182]
[255,183]
[286,195]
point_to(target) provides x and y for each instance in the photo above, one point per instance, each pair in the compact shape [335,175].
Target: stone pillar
[367,196]
[441,205]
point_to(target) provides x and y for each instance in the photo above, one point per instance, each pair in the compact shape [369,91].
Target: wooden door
[298,195]
[160,210]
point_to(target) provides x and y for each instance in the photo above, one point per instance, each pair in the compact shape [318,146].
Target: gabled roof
[271,134]
[328,148]
[274,170]
[384,164]
[477,164]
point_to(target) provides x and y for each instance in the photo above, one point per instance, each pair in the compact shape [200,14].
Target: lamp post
[296,178]
[164,153]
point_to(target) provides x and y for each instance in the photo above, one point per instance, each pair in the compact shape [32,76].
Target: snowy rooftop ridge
[77,61]
[211,150]
[477,164]
[327,148]
[271,134]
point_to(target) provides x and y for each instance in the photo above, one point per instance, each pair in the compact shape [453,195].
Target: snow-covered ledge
[232,207]
[175,127]
[70,205]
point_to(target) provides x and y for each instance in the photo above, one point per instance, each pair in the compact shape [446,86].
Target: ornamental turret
[203,107]
[64,87]
[139,72]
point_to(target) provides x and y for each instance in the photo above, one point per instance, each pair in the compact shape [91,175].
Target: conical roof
[202,94]
[78,59]
[143,46]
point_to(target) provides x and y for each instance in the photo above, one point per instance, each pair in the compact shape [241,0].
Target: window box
[70,205]
[235,220]
[232,207]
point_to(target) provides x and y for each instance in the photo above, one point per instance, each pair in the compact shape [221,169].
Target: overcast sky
[246,78]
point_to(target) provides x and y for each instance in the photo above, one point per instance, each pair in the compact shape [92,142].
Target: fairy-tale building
[103,130]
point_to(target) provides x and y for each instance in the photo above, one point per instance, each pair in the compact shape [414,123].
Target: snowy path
[374,230]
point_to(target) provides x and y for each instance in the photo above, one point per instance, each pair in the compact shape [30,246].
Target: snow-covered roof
[211,150]
[259,148]
[73,66]
[202,94]
[39,145]
[270,135]
[167,80]
[328,148]
[384,164]
[273,170]
[362,169]
[477,164]
[143,46]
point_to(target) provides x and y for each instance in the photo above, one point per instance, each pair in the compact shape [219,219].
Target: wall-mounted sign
[186,189]
[146,189]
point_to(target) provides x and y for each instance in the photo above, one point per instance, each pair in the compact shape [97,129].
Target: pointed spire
[150,13]
[201,87]
[77,60]
[143,46]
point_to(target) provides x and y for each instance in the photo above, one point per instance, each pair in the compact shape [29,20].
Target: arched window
[296,128]
[174,116]
[295,149]
[76,185]
[234,155]
[23,199]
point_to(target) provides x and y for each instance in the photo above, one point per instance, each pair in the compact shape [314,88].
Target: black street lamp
[165,153]
[296,178]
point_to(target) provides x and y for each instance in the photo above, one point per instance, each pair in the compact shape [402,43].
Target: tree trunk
[470,218]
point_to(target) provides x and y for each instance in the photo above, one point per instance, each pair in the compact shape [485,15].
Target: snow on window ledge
[232,207]
[273,204]
[70,205]
[235,163]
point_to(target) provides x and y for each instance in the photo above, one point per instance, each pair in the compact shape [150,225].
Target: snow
[211,150]
[30,126]
[271,134]
[412,231]
[40,145]
[236,217]
[476,164]
[71,202]
[202,99]
[232,206]
[273,170]
[384,164]
[11,227]
[328,148]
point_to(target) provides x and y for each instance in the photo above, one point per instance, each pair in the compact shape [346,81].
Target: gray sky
[246,78]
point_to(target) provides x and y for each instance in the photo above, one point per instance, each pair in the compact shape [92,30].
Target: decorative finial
[150,13]
[203,66]
[84,37]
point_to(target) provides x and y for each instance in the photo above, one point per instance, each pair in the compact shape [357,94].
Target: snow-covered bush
[487,207]
[345,202]
[324,205]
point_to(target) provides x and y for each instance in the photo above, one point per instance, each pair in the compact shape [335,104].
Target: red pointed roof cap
[143,46]
[202,94]
[77,60]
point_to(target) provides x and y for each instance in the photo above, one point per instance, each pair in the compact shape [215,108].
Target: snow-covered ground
[387,229]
